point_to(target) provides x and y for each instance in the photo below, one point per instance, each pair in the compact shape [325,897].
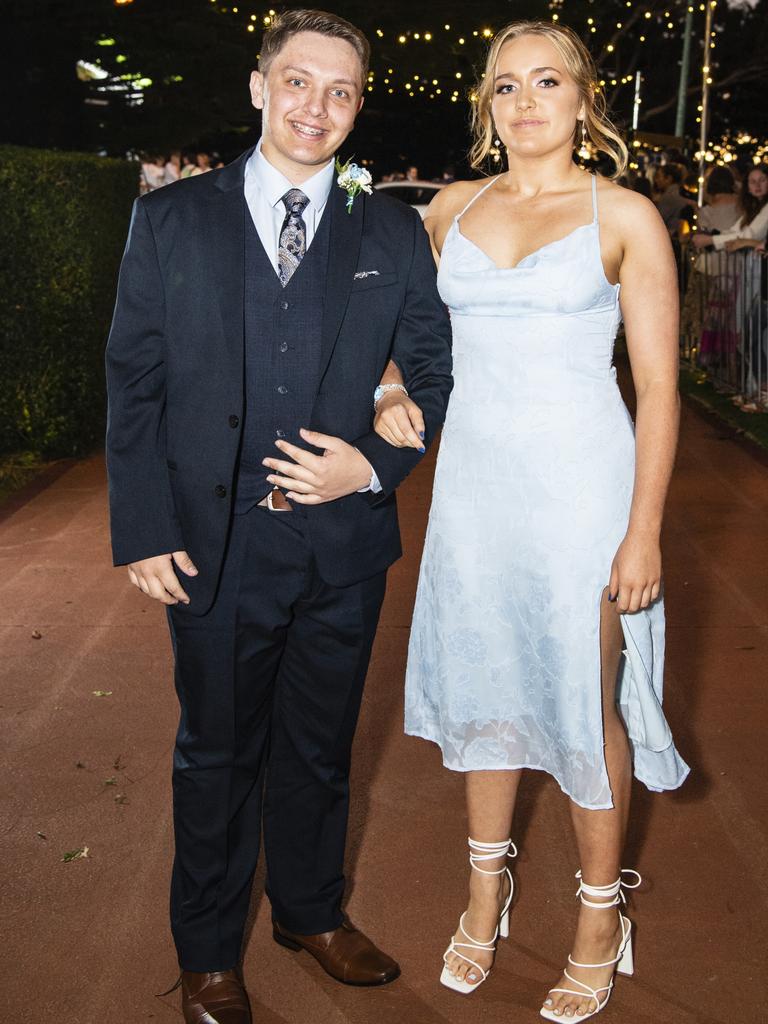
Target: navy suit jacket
[175,373]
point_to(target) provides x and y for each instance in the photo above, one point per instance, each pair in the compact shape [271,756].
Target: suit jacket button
[220,491]
[234,422]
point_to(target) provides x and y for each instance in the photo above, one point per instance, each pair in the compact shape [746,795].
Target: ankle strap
[613,892]
[479,852]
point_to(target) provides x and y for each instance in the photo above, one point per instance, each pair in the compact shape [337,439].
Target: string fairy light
[633,25]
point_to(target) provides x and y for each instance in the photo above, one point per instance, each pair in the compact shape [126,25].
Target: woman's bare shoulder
[624,204]
[454,197]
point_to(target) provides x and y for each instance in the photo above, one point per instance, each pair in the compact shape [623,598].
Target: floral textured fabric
[531,500]
[293,235]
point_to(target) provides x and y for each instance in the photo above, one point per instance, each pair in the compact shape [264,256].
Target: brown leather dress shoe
[215,997]
[345,953]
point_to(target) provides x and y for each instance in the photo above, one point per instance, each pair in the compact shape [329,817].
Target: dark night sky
[198,55]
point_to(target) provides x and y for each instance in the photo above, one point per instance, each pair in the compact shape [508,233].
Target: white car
[418,194]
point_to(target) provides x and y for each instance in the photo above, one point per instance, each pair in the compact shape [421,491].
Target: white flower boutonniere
[353,180]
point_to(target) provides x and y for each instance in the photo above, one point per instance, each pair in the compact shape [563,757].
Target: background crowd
[723,294]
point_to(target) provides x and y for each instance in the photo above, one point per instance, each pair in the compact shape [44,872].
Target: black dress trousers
[269,682]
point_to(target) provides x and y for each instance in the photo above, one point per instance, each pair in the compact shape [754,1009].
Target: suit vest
[283,336]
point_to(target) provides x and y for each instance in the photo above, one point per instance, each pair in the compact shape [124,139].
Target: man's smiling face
[310,95]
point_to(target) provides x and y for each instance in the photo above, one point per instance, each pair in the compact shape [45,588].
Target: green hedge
[63,223]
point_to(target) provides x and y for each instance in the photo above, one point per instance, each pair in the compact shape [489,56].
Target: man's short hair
[720,182]
[290,23]
[674,172]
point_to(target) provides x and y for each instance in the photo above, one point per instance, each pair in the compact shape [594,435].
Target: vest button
[279,433]
[220,491]
[234,422]
[284,304]
[282,390]
[283,346]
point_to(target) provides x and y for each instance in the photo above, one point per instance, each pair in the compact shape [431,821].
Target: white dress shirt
[265,187]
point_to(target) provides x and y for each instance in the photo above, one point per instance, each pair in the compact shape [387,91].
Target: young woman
[751,229]
[542,557]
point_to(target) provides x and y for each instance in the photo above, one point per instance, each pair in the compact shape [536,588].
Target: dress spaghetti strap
[474,197]
[594,199]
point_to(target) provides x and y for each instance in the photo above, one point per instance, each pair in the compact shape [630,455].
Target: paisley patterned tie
[293,235]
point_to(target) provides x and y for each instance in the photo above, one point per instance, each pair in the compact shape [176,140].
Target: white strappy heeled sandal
[479,852]
[622,963]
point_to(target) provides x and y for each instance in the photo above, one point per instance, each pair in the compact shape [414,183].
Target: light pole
[685,68]
[706,81]
[637,101]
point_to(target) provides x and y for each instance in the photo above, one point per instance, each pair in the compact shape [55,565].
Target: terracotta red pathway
[87,942]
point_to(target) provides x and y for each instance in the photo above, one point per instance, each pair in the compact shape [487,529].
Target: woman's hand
[399,421]
[636,573]
[701,241]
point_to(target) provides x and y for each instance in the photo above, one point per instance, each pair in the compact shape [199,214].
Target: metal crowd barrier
[724,319]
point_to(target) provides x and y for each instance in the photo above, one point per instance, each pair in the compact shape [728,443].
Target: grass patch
[696,386]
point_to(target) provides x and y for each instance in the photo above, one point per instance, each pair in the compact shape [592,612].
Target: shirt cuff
[374,485]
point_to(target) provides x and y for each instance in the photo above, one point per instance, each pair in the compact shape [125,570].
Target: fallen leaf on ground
[36,634]
[78,854]
[41,835]
[117,764]
[102,693]
[111,781]
[121,798]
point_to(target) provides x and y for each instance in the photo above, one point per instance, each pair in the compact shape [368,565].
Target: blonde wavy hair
[580,66]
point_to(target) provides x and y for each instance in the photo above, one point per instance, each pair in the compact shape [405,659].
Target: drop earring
[584,153]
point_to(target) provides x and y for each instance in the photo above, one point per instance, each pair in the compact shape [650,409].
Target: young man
[253,305]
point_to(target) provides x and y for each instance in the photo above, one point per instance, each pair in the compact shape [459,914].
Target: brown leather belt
[276,501]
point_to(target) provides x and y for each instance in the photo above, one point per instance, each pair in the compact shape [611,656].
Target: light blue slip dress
[531,500]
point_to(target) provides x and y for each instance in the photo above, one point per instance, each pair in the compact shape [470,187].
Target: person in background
[669,199]
[722,208]
[203,163]
[706,294]
[152,169]
[673,155]
[642,185]
[728,294]
[172,169]
[751,228]
[188,163]
[412,174]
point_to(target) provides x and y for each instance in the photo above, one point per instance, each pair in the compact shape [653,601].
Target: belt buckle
[270,503]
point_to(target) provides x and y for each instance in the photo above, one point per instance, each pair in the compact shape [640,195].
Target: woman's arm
[744,243]
[398,419]
[649,302]
[757,229]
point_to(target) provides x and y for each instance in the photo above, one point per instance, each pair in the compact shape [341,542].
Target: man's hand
[155,576]
[312,479]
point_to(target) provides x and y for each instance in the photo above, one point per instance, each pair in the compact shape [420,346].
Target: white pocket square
[362,274]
